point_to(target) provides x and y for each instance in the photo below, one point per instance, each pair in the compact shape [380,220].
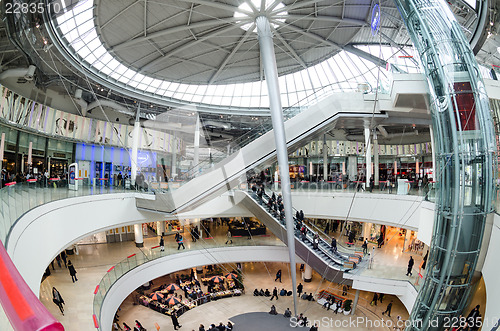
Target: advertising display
[72,179]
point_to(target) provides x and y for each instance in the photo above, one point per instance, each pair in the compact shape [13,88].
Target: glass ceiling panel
[77,29]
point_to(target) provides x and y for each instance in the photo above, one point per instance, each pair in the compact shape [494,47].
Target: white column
[434,175]
[355,303]
[308,273]
[367,230]
[160,228]
[271,73]
[368,156]
[139,239]
[325,159]
[196,159]
[135,146]
[376,165]
[173,173]
[352,167]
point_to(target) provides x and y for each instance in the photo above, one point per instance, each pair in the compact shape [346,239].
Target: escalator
[231,171]
[330,265]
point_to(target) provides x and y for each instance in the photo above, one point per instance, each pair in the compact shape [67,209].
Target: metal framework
[465,146]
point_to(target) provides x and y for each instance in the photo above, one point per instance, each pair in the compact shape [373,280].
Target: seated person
[273,310]
[255,292]
[310,297]
[304,296]
[267,293]
[261,292]
[287,313]
[282,292]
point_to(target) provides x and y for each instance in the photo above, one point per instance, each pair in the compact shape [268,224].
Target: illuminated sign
[375,19]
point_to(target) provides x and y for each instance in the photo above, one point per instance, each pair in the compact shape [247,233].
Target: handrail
[133,261]
[288,113]
[23,309]
[322,246]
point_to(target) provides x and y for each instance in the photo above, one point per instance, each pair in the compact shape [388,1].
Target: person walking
[410,265]
[380,240]
[388,310]
[126,327]
[473,317]
[72,271]
[57,299]
[162,244]
[381,297]
[180,242]
[365,246]
[299,288]
[175,321]
[275,294]
[64,258]
[278,276]
[334,245]
[374,300]
[229,237]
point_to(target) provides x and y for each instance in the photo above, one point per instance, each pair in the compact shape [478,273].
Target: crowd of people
[220,327]
[42,178]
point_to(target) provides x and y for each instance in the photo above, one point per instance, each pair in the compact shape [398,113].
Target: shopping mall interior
[249,164]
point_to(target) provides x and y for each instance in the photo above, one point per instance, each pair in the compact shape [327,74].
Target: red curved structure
[22,307]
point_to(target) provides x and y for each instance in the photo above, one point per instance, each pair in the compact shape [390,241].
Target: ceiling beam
[331,19]
[187,45]
[219,5]
[290,49]
[300,4]
[230,55]
[119,13]
[145,17]
[307,34]
[252,6]
[174,29]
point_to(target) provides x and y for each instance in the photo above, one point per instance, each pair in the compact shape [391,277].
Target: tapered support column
[367,227]
[196,159]
[160,228]
[375,160]
[325,159]
[135,146]
[368,160]
[173,173]
[139,238]
[433,153]
[271,73]
[308,273]
[355,303]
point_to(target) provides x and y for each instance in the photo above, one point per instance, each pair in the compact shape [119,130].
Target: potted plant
[347,307]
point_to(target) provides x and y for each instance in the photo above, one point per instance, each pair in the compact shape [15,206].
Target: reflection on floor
[94,260]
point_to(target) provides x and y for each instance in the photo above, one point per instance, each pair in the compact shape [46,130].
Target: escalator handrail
[327,252]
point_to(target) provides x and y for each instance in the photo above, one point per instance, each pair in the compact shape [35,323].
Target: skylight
[342,72]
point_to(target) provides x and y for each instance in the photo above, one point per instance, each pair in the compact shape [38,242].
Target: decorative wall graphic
[18,110]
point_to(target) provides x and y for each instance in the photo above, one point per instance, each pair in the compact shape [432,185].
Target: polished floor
[94,260]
